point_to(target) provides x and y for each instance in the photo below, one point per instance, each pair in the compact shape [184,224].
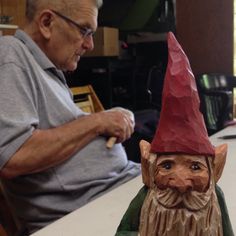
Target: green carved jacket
[130,222]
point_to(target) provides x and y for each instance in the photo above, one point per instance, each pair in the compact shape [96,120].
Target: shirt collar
[38,54]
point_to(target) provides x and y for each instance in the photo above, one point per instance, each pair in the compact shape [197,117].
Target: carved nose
[182,185]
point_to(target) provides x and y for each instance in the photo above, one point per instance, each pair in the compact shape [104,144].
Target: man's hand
[117,122]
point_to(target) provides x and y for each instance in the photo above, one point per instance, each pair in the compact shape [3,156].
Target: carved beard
[169,213]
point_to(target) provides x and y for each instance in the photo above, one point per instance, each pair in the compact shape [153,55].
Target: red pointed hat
[181,127]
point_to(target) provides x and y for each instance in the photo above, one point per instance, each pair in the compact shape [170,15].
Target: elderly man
[180,168]
[53,156]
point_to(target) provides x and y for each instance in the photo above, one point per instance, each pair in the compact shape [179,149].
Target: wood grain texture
[205,31]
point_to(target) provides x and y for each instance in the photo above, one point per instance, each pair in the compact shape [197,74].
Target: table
[102,216]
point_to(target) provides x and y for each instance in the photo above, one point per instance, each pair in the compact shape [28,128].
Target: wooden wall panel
[15,8]
[205,30]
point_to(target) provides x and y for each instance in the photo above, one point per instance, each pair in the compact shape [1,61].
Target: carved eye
[195,166]
[166,165]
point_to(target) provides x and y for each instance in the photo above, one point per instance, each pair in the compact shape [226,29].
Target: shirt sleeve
[18,109]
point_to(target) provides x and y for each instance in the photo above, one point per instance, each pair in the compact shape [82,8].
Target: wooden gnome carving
[180,168]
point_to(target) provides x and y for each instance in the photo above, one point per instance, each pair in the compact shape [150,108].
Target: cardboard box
[106,42]
[234,102]
[234,112]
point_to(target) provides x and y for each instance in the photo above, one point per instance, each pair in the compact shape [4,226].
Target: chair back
[2,230]
[216,97]
[213,82]
[10,224]
[86,99]
[155,83]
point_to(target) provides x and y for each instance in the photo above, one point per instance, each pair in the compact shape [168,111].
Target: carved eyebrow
[198,161]
[172,158]
[161,160]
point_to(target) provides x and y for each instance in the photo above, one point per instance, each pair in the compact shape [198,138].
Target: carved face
[181,199]
[182,173]
[185,171]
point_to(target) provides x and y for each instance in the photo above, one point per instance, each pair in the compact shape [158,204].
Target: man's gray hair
[32,6]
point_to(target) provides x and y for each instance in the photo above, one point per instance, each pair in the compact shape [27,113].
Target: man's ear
[219,160]
[145,154]
[45,22]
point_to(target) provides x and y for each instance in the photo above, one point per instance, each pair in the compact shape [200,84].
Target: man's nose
[181,183]
[88,43]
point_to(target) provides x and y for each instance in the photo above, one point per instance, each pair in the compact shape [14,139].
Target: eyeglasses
[84,31]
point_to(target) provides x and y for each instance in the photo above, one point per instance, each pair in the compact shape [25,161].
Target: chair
[216,96]
[9,224]
[154,87]
[86,99]
[146,120]
[2,231]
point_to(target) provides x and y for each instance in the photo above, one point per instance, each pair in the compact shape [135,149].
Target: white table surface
[102,216]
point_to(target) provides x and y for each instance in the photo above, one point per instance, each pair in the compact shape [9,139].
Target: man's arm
[47,148]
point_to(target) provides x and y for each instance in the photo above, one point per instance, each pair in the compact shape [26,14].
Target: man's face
[182,173]
[67,43]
